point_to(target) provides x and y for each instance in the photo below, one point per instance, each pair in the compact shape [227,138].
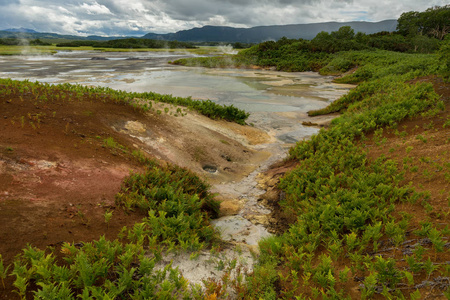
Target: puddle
[210,169]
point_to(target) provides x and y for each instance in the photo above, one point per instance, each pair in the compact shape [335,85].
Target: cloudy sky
[138,17]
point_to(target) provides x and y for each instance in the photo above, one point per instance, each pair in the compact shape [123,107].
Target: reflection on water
[278,101]
[249,90]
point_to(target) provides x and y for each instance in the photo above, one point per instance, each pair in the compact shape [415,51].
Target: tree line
[417,32]
[22,42]
[130,43]
[434,22]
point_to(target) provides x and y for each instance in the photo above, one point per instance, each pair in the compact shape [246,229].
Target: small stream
[278,103]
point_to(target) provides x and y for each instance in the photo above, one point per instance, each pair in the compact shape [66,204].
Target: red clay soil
[58,176]
[421,148]
[56,179]
[279,221]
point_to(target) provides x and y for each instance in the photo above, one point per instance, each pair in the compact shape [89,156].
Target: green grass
[178,206]
[99,270]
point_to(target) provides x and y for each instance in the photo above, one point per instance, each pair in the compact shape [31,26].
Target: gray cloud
[137,17]
[8,2]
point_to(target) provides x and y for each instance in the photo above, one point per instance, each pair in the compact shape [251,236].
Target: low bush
[74,92]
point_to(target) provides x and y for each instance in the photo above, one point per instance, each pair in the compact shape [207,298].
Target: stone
[229,208]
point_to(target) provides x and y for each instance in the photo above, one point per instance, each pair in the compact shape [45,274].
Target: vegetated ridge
[263,33]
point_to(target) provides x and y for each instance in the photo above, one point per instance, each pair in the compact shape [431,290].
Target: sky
[138,17]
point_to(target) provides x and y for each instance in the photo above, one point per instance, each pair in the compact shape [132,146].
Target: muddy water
[278,103]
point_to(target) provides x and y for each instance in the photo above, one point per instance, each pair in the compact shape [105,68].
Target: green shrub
[142,101]
[177,203]
[337,198]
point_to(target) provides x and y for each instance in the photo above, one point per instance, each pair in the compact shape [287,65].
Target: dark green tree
[424,44]
[323,42]
[434,22]
[344,33]
[437,21]
[409,24]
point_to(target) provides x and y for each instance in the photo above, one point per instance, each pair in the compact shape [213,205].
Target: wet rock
[259,219]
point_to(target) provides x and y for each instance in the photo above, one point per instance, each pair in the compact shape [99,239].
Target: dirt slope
[61,163]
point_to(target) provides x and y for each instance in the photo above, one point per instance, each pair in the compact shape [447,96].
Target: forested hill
[225,34]
[264,33]
[23,33]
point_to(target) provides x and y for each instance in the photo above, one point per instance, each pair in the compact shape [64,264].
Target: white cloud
[218,20]
[95,9]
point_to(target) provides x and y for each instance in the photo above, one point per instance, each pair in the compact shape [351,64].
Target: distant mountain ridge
[263,33]
[226,34]
[23,33]
[21,29]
